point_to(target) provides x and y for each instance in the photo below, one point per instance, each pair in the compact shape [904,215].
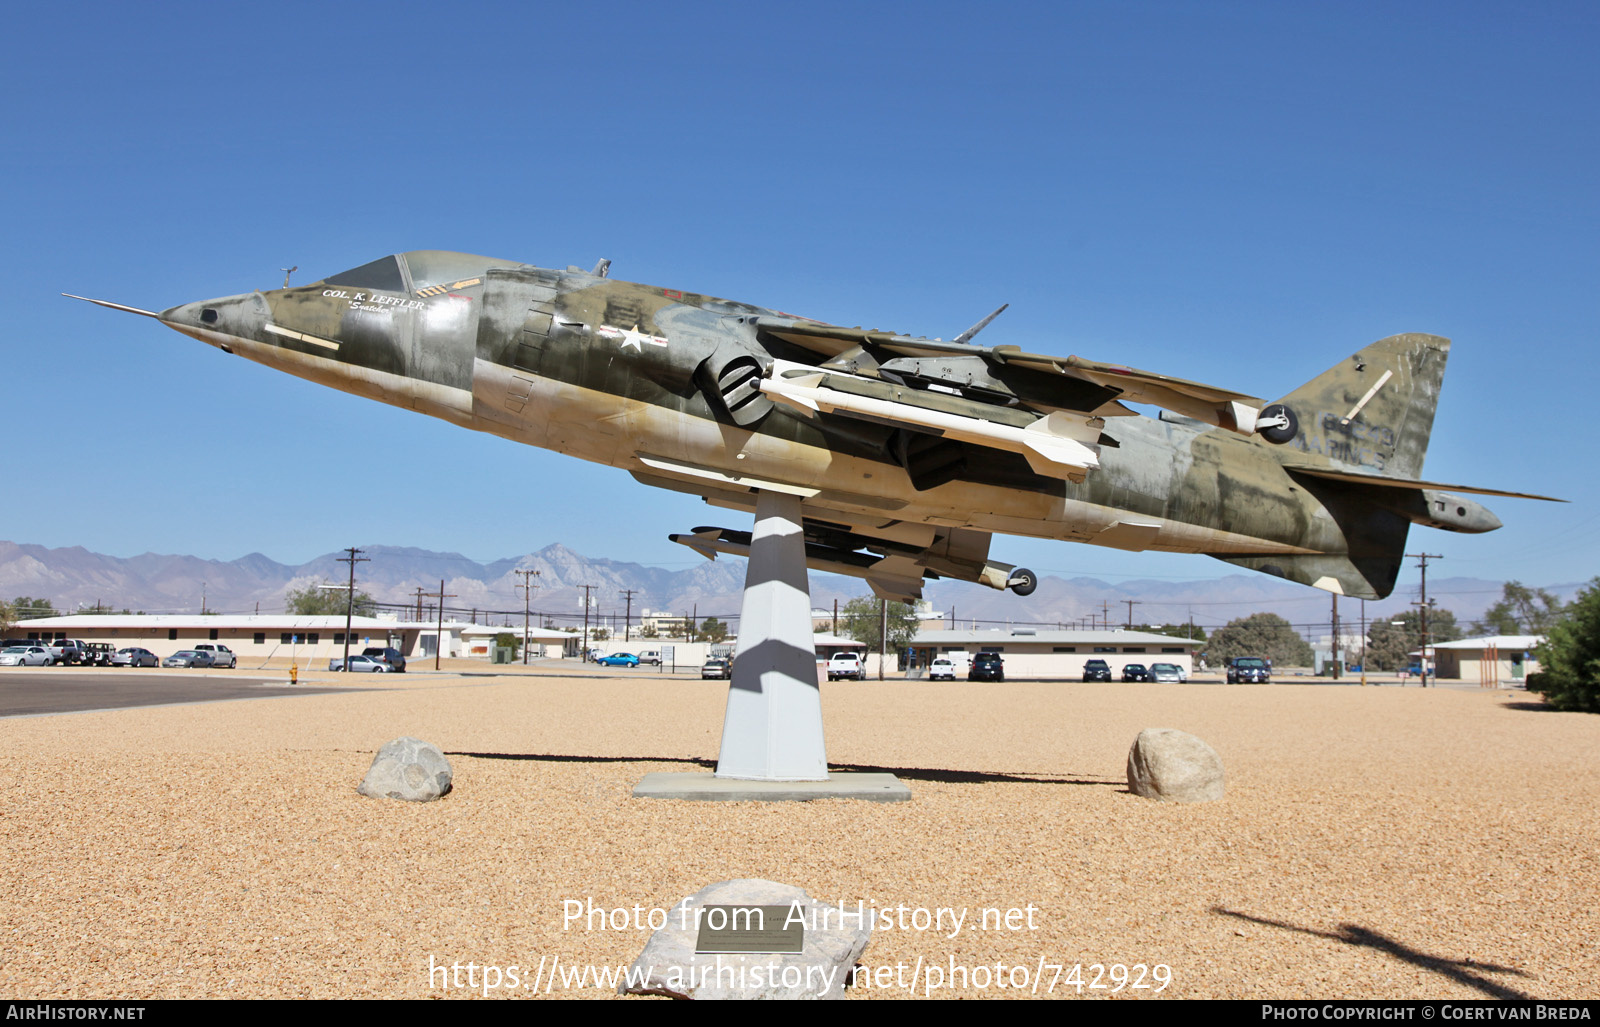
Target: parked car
[25,656]
[618,660]
[187,658]
[987,667]
[1252,669]
[98,653]
[70,651]
[651,656]
[1166,673]
[133,656]
[1135,672]
[391,658]
[717,668]
[1096,670]
[943,669]
[846,665]
[221,655]
[359,664]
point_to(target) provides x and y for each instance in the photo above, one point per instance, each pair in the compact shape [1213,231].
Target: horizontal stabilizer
[1407,483]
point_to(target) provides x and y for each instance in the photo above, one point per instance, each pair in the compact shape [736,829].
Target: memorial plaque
[749,929]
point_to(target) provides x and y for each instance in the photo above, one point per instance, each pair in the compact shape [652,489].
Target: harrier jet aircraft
[907,453]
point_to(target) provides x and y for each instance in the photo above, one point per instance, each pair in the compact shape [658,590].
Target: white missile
[1058,445]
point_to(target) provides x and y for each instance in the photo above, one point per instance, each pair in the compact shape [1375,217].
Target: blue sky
[1237,193]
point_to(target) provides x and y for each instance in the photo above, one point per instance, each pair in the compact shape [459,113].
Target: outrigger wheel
[1023,581]
[1279,425]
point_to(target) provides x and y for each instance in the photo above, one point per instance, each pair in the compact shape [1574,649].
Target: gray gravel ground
[1374,842]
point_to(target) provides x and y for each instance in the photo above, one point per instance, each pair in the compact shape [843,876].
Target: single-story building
[543,643]
[828,646]
[254,637]
[1492,661]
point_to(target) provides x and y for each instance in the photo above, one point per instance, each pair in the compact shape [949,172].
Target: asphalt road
[26,692]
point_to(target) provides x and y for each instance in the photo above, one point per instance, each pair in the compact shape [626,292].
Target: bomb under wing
[908,453]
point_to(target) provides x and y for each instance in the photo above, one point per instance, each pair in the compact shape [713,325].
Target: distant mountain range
[154,583]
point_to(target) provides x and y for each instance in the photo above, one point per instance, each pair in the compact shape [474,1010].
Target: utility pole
[527,599]
[1363,643]
[354,558]
[419,602]
[1422,562]
[438,639]
[1335,598]
[1105,615]
[586,589]
[883,635]
[627,613]
[1131,604]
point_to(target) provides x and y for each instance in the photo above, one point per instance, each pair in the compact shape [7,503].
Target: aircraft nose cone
[213,321]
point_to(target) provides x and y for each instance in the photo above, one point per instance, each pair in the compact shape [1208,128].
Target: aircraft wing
[1047,383]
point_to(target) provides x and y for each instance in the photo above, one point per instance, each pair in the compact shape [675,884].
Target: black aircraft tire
[1276,435]
[1029,582]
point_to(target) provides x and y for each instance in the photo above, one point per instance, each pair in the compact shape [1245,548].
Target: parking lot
[36,691]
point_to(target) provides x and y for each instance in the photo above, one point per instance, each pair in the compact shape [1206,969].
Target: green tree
[316,601]
[506,640]
[599,635]
[8,617]
[1520,611]
[102,609]
[1390,644]
[1190,630]
[1266,635]
[1569,657]
[862,620]
[712,630]
[27,608]
[649,631]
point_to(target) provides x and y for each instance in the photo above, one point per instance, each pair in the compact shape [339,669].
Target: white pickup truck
[846,665]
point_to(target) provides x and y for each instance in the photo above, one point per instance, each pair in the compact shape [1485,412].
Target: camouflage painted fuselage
[638,377]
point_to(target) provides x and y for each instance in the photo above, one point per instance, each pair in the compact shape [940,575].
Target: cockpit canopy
[416,270]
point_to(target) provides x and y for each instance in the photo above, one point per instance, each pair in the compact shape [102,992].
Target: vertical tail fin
[1373,412]
[1370,414]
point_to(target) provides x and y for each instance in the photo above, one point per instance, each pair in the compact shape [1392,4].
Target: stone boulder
[670,966]
[1171,766]
[409,769]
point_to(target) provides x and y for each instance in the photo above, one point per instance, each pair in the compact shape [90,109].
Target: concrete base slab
[708,788]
